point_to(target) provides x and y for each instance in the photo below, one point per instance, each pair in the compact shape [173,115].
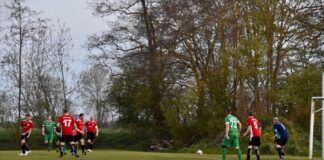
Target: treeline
[168,68]
[178,64]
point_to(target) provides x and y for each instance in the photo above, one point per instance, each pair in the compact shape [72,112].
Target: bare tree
[93,88]
[62,47]
[22,20]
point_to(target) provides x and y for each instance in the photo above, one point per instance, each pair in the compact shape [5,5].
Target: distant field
[121,155]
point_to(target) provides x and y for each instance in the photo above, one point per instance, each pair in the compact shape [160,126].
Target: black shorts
[25,137]
[255,141]
[78,137]
[281,142]
[91,136]
[67,138]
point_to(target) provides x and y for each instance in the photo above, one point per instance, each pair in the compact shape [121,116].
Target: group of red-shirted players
[71,132]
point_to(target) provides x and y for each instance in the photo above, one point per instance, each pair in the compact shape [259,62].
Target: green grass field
[122,155]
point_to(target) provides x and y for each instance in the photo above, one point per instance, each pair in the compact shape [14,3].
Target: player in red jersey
[67,124]
[254,128]
[92,132]
[27,126]
[80,132]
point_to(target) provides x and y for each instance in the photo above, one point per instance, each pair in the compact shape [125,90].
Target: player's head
[81,116]
[49,117]
[91,118]
[228,111]
[28,116]
[275,120]
[250,113]
[65,111]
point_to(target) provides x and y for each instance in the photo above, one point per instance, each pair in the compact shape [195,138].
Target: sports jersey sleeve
[249,121]
[227,121]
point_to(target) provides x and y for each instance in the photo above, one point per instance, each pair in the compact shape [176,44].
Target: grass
[122,155]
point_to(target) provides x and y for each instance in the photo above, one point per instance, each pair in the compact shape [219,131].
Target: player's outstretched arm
[43,130]
[247,131]
[226,130]
[239,124]
[97,131]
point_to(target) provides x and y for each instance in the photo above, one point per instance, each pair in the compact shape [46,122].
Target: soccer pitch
[123,155]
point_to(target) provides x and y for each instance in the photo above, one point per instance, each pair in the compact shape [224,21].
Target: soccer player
[92,129]
[281,137]
[67,124]
[80,132]
[27,126]
[232,130]
[254,128]
[48,132]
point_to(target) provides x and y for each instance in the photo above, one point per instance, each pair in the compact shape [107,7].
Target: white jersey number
[67,122]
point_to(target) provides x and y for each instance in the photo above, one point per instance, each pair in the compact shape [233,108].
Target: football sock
[61,149]
[49,146]
[279,152]
[282,150]
[82,147]
[90,146]
[73,148]
[239,154]
[23,149]
[224,149]
[257,153]
[248,154]
[26,147]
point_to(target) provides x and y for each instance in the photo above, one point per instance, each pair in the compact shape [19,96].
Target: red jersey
[26,125]
[91,126]
[67,124]
[80,125]
[255,126]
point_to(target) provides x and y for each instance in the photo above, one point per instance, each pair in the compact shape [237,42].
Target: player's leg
[89,137]
[279,150]
[46,140]
[225,144]
[256,144]
[23,146]
[26,143]
[281,147]
[257,152]
[72,145]
[235,142]
[93,138]
[82,146]
[57,144]
[62,143]
[249,150]
[50,142]
[76,142]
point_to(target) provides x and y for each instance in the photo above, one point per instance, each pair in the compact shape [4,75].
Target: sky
[78,17]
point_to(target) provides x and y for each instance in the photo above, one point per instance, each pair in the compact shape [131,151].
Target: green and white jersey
[49,126]
[232,121]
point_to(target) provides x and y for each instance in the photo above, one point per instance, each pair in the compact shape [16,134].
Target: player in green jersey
[48,132]
[232,131]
